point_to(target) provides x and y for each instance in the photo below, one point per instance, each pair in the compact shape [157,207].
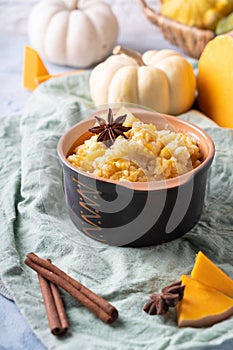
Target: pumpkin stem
[134,54]
[71,4]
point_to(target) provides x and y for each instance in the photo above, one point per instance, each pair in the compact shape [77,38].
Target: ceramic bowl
[132,213]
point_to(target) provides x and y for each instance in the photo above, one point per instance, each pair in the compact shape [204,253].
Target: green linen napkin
[34,217]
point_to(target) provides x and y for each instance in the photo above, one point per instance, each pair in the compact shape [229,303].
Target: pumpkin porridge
[136,152]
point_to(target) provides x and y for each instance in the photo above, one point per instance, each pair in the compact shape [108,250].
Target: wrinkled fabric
[34,217]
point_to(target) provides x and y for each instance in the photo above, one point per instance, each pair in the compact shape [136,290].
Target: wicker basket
[190,39]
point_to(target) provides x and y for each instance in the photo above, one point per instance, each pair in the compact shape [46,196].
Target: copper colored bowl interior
[78,134]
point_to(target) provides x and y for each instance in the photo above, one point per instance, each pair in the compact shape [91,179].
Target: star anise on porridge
[169,297]
[110,130]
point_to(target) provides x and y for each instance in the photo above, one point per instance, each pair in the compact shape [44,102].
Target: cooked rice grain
[147,155]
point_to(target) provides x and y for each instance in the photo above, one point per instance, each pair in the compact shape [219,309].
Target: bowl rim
[144,186]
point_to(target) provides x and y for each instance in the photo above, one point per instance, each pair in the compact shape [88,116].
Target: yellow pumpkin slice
[33,68]
[201,305]
[35,72]
[215,80]
[205,271]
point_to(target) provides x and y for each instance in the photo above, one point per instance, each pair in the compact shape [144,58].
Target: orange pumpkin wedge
[206,272]
[202,305]
[215,80]
[35,72]
[33,67]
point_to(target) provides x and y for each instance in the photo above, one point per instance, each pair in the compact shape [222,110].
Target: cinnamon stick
[99,306]
[54,307]
[60,308]
[102,303]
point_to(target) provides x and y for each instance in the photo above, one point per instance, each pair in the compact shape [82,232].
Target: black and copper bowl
[135,213]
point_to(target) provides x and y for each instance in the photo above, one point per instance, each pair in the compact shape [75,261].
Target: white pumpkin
[72,32]
[161,80]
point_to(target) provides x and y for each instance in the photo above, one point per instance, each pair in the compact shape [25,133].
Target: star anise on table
[110,130]
[169,297]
